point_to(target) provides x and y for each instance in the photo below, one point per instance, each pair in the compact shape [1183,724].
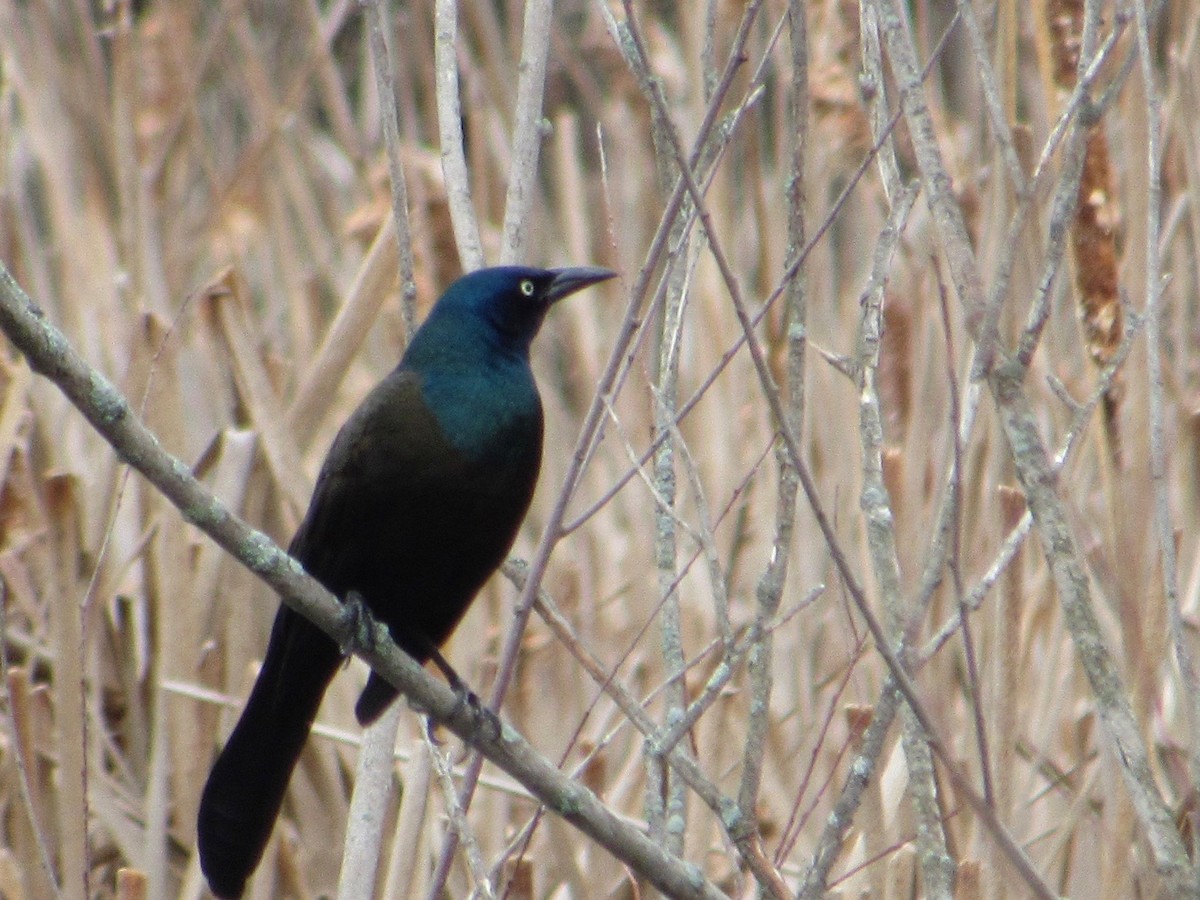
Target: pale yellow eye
[527,288]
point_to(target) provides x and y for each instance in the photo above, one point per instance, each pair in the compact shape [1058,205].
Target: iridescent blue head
[502,306]
[472,357]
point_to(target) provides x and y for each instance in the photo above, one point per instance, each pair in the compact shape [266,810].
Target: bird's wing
[390,452]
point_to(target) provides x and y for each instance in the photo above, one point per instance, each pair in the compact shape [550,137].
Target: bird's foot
[487,722]
[483,720]
[357,626]
[431,727]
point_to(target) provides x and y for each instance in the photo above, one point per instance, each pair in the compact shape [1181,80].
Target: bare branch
[49,354]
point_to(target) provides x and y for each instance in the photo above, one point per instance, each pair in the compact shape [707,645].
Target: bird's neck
[478,385]
[453,339]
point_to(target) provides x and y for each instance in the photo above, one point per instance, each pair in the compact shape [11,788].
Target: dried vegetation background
[198,194]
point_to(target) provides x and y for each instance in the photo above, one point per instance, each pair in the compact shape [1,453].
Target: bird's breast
[490,420]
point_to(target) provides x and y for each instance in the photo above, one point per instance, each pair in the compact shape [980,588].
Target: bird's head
[510,302]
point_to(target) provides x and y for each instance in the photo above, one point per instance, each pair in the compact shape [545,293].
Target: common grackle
[417,504]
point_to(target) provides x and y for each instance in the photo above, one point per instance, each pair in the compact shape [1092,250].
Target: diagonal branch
[50,354]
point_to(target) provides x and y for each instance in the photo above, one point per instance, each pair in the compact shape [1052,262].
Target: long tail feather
[246,786]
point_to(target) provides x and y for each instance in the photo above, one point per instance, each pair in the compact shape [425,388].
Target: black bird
[417,504]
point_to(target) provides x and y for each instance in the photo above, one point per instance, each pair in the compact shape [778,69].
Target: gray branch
[51,355]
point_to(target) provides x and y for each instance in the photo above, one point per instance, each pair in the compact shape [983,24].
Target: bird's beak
[568,281]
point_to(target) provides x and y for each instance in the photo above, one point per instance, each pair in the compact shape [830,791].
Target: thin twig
[954,561]
[481,884]
[381,58]
[937,865]
[450,124]
[1158,452]
[769,590]
[528,129]
[1081,419]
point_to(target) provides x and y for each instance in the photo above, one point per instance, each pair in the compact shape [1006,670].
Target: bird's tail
[246,786]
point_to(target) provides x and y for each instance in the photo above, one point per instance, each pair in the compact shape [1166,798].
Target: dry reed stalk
[70,713]
[1095,250]
[263,406]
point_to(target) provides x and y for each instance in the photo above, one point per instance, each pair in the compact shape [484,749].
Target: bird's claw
[357,626]
[431,731]
[484,720]
[489,724]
